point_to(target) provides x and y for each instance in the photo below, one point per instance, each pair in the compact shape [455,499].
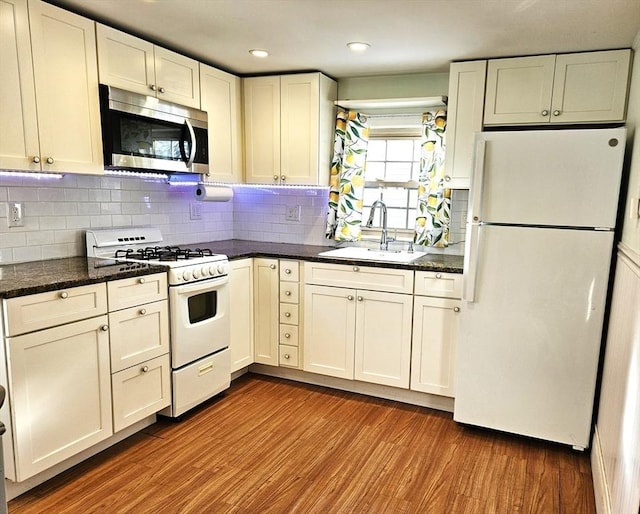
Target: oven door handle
[210,284]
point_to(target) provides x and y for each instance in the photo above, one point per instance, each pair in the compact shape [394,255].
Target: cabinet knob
[276,177]
[287,335]
[287,271]
[286,356]
[447,178]
[287,293]
[557,112]
[144,369]
[104,328]
[438,275]
[64,295]
[143,312]
[161,90]
[141,281]
[283,178]
[545,113]
[350,297]
[360,298]
[36,159]
[153,87]
[50,160]
[456,309]
[356,268]
[272,266]
[287,314]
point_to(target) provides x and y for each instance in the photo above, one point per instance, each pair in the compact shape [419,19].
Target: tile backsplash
[58,211]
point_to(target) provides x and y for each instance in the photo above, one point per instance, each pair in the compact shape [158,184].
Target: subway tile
[27,253]
[51,194]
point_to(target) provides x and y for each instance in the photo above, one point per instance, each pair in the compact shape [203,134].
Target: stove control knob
[196,273]
[186,275]
[205,271]
[213,271]
[221,269]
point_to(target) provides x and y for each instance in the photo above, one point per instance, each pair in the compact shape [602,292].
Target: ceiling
[406,36]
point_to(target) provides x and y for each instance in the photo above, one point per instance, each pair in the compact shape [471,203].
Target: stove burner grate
[165,253]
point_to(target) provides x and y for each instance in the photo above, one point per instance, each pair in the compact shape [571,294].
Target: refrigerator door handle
[477,181]
[471,263]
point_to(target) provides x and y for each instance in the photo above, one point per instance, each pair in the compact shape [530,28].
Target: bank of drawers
[289,342]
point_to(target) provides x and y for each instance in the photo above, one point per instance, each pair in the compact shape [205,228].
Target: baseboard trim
[600,489]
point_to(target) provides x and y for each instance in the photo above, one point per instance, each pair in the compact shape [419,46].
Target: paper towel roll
[206,193]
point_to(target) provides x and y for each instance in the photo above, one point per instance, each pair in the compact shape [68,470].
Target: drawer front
[289,313]
[129,292]
[140,391]
[289,335]
[288,356]
[289,292]
[359,277]
[289,271]
[43,310]
[138,334]
[443,285]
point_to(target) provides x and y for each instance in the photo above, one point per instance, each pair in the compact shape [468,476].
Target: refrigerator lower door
[529,341]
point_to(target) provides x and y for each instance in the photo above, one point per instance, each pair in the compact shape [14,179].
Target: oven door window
[202,306]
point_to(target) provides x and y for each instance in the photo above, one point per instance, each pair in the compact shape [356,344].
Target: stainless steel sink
[372,254]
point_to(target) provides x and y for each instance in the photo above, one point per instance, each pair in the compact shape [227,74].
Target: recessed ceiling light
[259,53]
[358,46]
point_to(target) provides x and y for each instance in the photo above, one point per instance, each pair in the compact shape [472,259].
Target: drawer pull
[141,281]
[438,275]
[287,271]
[287,314]
[356,268]
[287,335]
[287,293]
[64,295]
[286,356]
[144,369]
[143,312]
[204,369]
[104,328]
[456,309]
[272,266]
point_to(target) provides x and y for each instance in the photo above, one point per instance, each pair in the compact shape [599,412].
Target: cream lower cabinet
[266,311]
[49,107]
[241,313]
[586,87]
[435,332]
[358,333]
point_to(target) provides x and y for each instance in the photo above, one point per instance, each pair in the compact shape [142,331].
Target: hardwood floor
[273,446]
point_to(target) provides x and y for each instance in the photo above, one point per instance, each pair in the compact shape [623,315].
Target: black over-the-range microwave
[144,133]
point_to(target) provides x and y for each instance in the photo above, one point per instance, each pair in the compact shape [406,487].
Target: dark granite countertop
[40,276]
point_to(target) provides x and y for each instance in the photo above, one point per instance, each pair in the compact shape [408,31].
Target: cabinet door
[329,330]
[125,61]
[590,87]
[266,333]
[299,118]
[241,313]
[66,83]
[220,95]
[19,143]
[433,354]
[464,119]
[383,338]
[177,78]
[519,90]
[61,393]
[262,129]
[140,391]
[138,334]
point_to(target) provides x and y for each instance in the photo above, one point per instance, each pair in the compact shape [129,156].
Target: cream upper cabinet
[464,119]
[221,96]
[266,311]
[133,64]
[289,122]
[241,313]
[49,107]
[569,88]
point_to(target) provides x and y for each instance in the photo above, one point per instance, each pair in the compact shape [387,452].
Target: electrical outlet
[293,213]
[15,214]
[195,211]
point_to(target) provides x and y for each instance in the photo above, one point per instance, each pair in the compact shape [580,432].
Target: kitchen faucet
[384,242]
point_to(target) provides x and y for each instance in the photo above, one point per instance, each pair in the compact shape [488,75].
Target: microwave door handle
[192,152]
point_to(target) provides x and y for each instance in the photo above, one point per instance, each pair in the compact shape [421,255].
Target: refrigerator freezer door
[529,343]
[550,177]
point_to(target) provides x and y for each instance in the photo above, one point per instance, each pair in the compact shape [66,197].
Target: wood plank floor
[274,446]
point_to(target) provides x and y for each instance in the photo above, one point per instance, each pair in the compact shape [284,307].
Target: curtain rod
[393,103]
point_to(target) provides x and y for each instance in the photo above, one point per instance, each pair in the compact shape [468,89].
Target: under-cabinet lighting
[257,52]
[136,174]
[27,174]
[358,46]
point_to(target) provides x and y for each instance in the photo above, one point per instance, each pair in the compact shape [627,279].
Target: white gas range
[198,308]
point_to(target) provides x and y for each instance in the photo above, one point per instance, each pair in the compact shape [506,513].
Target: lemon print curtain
[347,177]
[434,200]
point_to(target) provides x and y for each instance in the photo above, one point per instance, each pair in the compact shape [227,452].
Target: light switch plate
[15,214]
[293,213]
[195,211]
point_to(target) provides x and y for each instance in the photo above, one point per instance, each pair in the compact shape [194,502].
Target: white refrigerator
[539,243]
